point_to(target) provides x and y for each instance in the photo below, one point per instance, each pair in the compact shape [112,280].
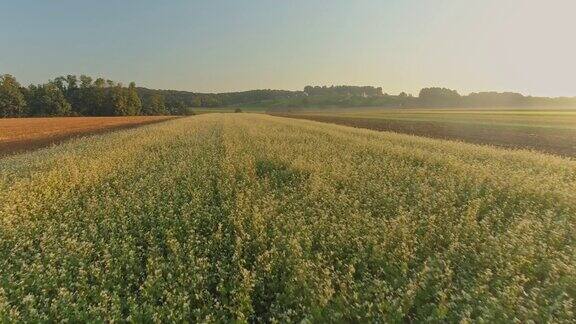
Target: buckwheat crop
[245,217]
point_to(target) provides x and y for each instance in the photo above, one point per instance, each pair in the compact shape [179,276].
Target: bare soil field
[553,140]
[24,134]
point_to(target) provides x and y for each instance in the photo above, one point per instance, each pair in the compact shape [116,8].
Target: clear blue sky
[211,46]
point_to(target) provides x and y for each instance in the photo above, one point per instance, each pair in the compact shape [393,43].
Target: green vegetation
[47,100]
[73,96]
[84,96]
[258,218]
[156,106]
[213,100]
[350,96]
[12,102]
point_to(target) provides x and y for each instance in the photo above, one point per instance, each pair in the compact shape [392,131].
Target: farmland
[546,130]
[258,218]
[206,110]
[20,134]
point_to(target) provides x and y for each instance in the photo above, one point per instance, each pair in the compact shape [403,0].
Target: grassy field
[547,130]
[258,218]
[21,134]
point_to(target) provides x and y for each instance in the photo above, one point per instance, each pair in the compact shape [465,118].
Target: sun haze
[217,46]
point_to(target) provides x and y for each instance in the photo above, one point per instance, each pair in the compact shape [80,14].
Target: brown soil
[24,134]
[555,141]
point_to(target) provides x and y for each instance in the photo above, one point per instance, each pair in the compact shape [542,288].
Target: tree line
[76,96]
[365,91]
[84,96]
[443,97]
[351,96]
[207,100]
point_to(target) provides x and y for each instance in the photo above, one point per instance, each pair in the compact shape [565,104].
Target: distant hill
[352,96]
[196,99]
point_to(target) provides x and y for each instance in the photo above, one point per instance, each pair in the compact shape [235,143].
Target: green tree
[85,81]
[12,101]
[155,106]
[100,106]
[124,101]
[118,101]
[48,100]
[196,101]
[71,91]
[86,103]
[178,108]
[72,82]
[438,97]
[61,82]
[134,102]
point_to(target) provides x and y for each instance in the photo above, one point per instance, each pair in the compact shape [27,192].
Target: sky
[528,46]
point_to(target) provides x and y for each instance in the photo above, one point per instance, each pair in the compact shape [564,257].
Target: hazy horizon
[223,46]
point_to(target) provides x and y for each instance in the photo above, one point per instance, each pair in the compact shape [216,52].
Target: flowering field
[260,218]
